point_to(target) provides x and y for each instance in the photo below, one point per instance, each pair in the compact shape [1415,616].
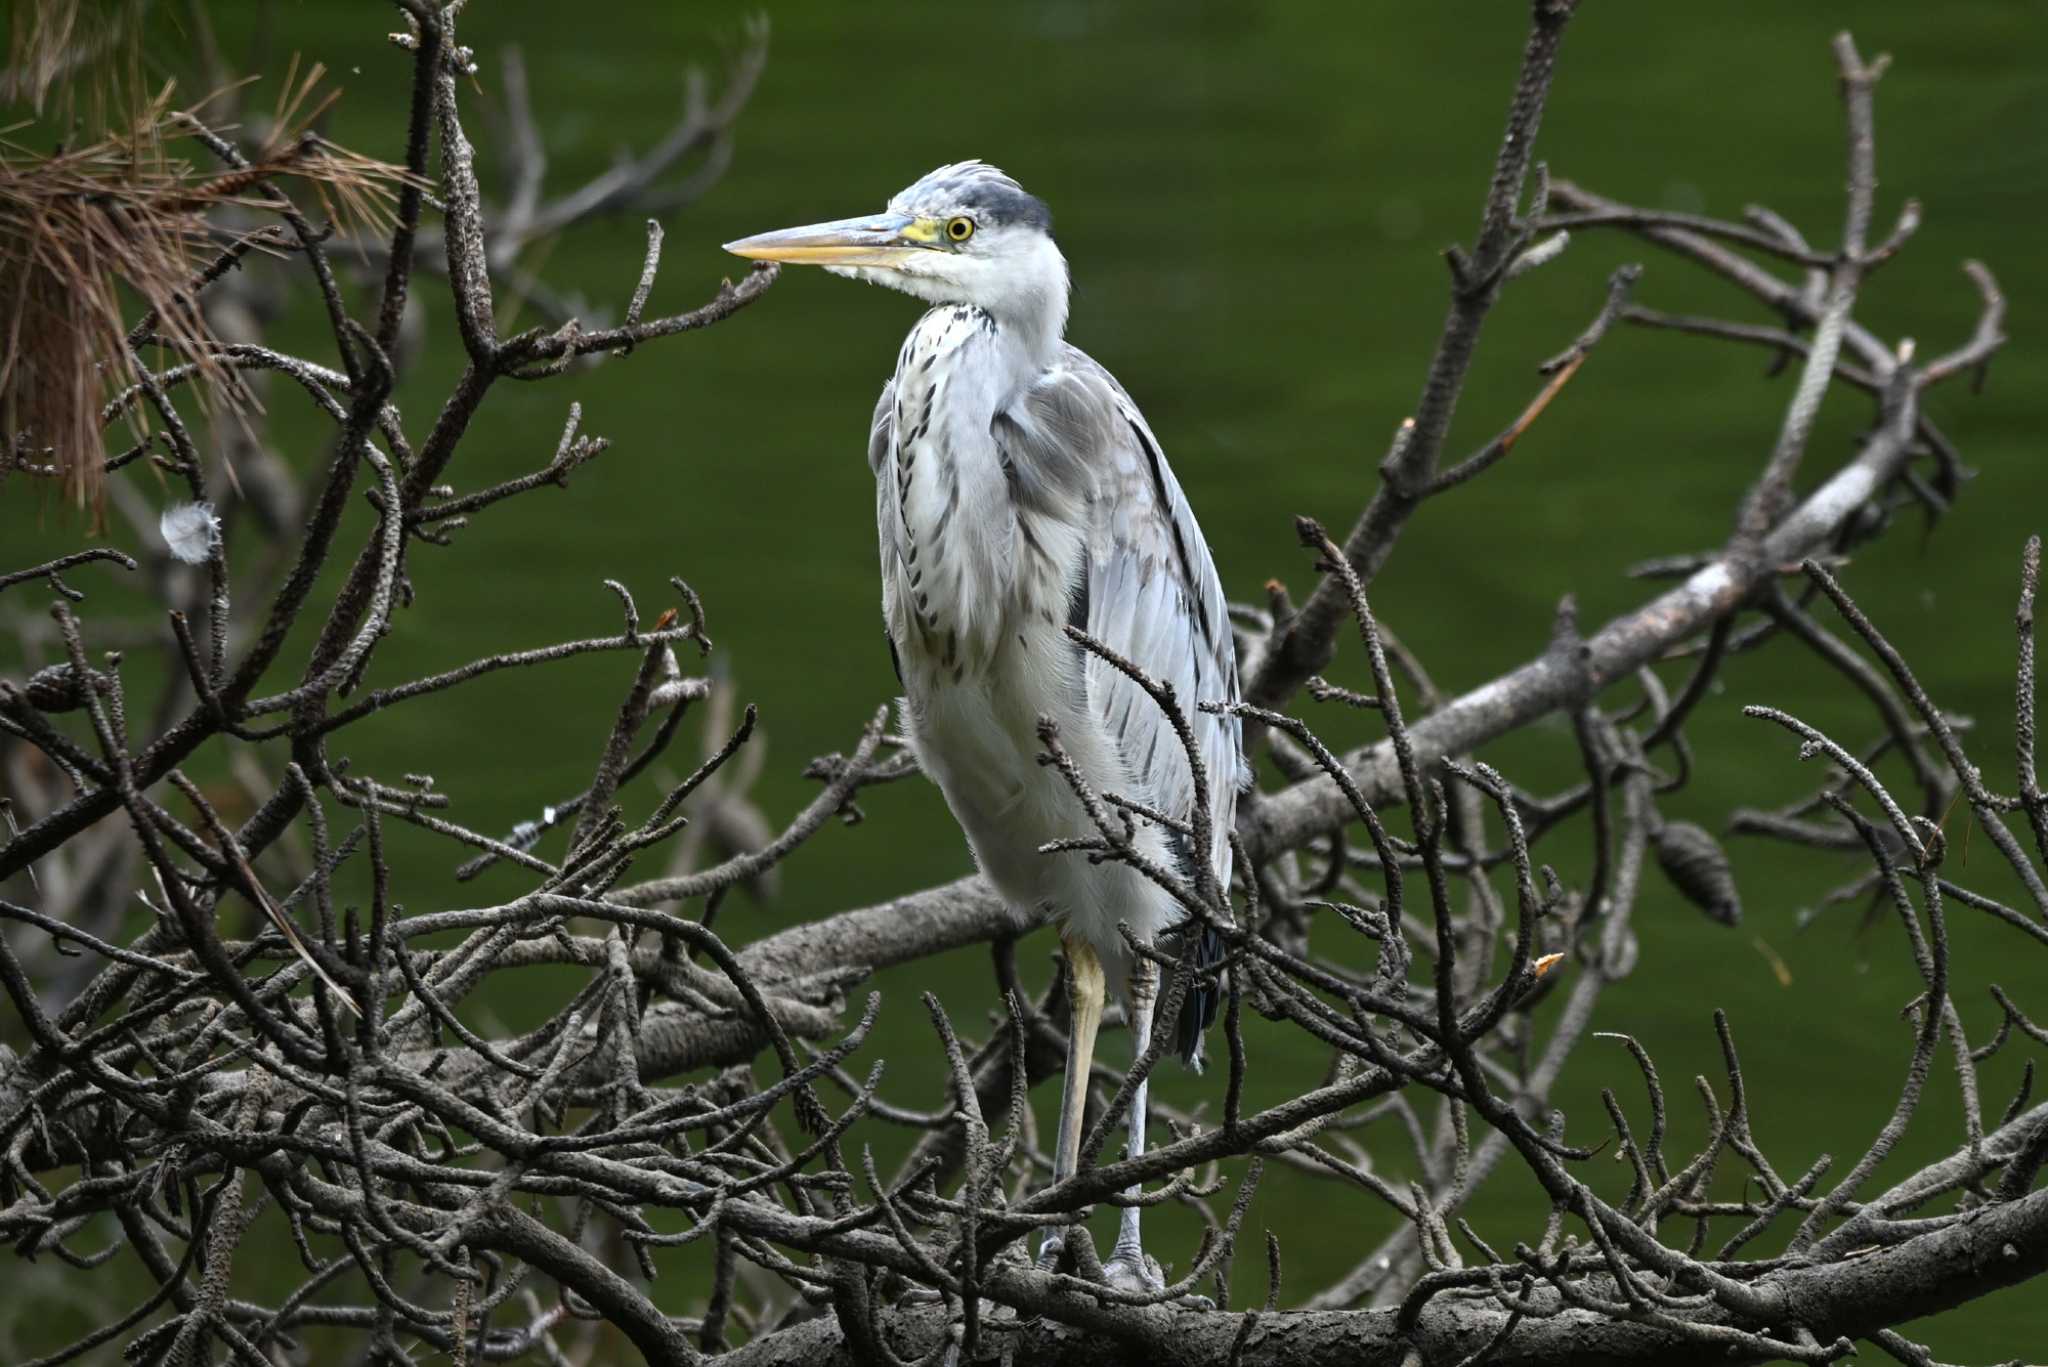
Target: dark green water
[1253,199]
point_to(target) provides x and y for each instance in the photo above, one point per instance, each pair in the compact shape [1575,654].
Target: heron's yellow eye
[960,229]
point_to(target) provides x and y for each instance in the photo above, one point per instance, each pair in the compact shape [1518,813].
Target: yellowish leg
[1142,995]
[1086,986]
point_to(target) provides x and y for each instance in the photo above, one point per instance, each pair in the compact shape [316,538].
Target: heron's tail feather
[1198,1008]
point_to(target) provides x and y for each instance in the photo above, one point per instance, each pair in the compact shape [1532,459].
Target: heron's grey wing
[888,512]
[882,431]
[1147,586]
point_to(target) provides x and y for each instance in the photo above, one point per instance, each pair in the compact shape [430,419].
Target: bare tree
[497,1195]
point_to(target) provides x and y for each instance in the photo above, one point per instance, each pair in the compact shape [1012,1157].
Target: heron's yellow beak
[877,240]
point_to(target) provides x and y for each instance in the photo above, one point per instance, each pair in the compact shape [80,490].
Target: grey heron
[1018,489]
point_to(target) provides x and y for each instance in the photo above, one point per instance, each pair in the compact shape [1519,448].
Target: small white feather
[189,529]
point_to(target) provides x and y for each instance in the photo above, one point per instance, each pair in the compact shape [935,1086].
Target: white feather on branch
[188,530]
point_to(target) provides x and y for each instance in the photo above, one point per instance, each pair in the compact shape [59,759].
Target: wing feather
[888,515]
[1148,582]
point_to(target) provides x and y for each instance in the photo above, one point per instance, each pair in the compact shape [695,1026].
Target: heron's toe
[1052,1249]
[1129,1270]
[1134,1271]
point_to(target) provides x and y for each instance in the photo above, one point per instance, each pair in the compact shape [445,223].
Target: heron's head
[965,234]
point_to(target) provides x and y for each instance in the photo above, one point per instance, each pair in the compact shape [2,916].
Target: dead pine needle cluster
[107,246]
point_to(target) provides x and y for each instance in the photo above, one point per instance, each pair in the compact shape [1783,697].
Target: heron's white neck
[1023,287]
[1027,296]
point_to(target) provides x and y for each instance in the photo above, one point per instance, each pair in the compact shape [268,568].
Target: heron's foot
[1050,1248]
[1130,1268]
[1133,1271]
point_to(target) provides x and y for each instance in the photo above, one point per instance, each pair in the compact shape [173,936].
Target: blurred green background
[1253,200]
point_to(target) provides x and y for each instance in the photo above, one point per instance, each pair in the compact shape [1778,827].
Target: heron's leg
[1143,988]
[1085,990]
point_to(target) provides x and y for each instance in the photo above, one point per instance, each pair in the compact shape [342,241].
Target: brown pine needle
[1540,402]
[1962,845]
[290,932]
[1779,968]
